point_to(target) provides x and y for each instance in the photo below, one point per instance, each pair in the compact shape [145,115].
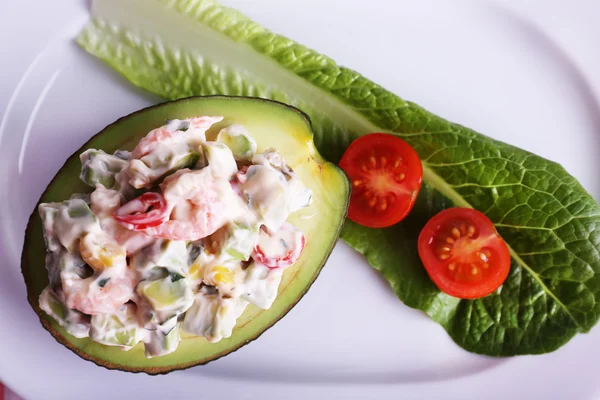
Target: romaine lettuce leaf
[180,48]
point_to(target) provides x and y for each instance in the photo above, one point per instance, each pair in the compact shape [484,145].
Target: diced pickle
[97,167]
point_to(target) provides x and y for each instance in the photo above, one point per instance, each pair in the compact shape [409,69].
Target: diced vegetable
[97,167]
[220,160]
[167,297]
[238,140]
[123,154]
[266,192]
[74,322]
[73,220]
[261,284]
[273,189]
[235,241]
[151,169]
[162,341]
[272,158]
[194,249]
[52,261]
[171,255]
[118,329]
[179,125]
[299,196]
[48,213]
[212,316]
[196,271]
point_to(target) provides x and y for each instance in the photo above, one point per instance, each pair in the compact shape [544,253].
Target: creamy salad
[180,234]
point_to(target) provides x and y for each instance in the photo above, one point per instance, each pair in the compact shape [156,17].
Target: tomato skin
[386,175]
[284,259]
[146,211]
[463,253]
[278,262]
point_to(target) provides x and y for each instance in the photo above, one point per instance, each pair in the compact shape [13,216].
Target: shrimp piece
[180,230]
[199,203]
[203,122]
[132,241]
[112,283]
[98,295]
[164,134]
[104,203]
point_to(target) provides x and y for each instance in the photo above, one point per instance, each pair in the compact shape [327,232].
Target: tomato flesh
[145,211]
[463,253]
[280,249]
[386,175]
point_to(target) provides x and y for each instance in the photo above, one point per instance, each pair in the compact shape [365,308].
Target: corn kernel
[222,275]
[195,271]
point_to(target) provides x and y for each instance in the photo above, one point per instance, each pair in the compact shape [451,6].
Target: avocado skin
[33,268]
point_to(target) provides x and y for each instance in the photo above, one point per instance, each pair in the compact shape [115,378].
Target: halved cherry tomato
[463,253]
[148,210]
[386,175]
[280,249]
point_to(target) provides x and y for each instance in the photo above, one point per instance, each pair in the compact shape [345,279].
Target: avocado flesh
[271,124]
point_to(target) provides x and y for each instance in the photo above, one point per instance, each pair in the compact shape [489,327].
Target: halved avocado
[271,124]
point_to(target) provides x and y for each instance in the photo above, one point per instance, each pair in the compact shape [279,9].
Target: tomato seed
[372,162]
[455,232]
[449,240]
[400,177]
[444,256]
[383,162]
[474,270]
[471,230]
[357,183]
[482,256]
[372,202]
[451,266]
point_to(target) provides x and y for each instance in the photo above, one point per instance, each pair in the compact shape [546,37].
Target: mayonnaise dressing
[217,249]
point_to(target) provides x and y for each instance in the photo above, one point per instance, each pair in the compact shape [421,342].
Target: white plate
[506,70]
